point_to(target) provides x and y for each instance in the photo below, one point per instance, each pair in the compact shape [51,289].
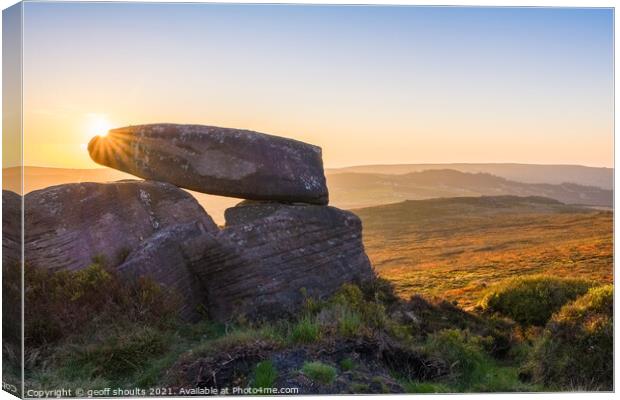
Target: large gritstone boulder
[165,258]
[219,161]
[67,225]
[271,256]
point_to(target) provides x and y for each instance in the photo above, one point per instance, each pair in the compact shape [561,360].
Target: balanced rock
[219,161]
[270,257]
[67,225]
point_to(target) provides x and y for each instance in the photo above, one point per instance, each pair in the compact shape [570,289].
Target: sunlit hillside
[356,190]
[456,247]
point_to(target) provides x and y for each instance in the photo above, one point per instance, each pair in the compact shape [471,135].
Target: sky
[370,85]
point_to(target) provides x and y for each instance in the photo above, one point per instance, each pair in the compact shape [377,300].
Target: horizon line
[368,165]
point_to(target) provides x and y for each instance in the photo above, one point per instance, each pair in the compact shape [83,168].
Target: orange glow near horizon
[423,85]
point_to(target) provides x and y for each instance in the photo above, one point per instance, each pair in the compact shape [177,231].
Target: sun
[98,125]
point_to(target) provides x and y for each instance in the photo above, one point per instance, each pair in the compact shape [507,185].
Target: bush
[461,352]
[576,348]
[61,303]
[348,295]
[470,368]
[532,300]
[380,290]
[319,372]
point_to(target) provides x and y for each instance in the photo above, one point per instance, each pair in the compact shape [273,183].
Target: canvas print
[281,199]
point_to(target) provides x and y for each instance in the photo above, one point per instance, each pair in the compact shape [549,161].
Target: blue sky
[369,84]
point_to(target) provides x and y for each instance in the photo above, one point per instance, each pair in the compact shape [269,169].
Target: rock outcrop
[219,161]
[67,225]
[165,258]
[11,227]
[271,256]
[264,264]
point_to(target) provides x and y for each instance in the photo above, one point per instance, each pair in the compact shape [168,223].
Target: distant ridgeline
[364,186]
[355,189]
[526,173]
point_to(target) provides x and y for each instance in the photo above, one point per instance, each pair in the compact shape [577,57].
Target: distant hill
[526,173]
[355,190]
[348,190]
[456,247]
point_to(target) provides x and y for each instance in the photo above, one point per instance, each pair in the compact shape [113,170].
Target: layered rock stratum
[66,226]
[285,254]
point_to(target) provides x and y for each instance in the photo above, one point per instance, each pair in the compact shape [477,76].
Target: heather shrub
[575,351]
[61,303]
[532,300]
[461,351]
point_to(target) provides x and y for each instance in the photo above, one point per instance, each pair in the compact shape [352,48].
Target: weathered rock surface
[263,264]
[11,227]
[270,256]
[67,225]
[165,258]
[219,161]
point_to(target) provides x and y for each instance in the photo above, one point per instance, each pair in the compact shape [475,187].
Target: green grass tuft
[265,375]
[305,331]
[425,387]
[119,355]
[346,364]
[319,372]
[349,323]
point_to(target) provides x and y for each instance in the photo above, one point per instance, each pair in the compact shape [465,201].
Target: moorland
[485,291]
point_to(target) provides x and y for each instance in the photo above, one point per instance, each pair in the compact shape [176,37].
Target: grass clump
[265,375]
[576,347]
[347,364]
[348,313]
[425,387]
[349,323]
[358,310]
[319,372]
[533,300]
[305,331]
[115,356]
